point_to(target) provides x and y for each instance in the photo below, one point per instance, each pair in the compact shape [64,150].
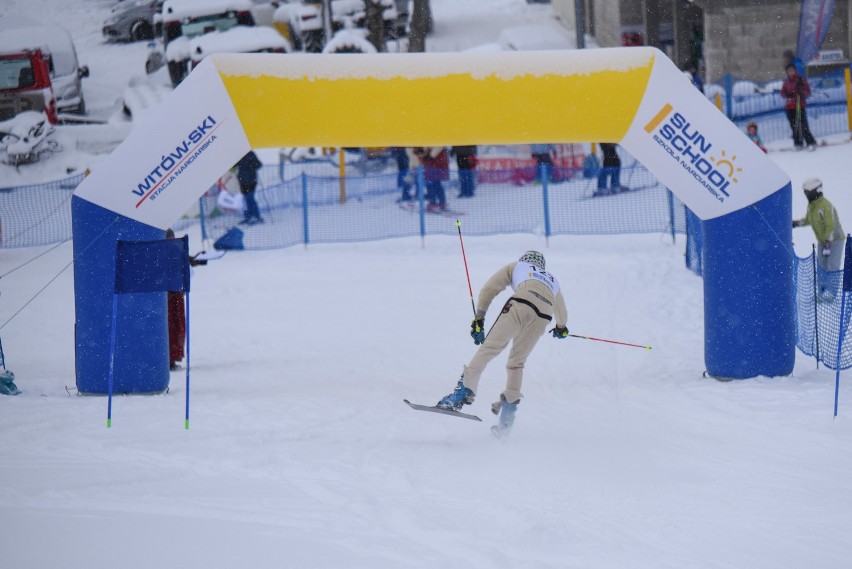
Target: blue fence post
[201,218]
[670,198]
[729,95]
[546,200]
[816,306]
[420,201]
[305,207]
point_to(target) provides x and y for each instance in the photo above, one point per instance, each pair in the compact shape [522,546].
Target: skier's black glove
[559,332]
[477,330]
[797,223]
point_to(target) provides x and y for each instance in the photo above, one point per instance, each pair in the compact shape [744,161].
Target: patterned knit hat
[533,258]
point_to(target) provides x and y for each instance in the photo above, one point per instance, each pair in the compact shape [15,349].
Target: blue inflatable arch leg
[749,327]
[141,352]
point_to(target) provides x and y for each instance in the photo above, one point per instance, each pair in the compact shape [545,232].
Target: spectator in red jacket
[795,90]
[436,168]
[176,317]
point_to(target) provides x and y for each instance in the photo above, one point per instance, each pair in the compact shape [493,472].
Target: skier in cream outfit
[536,300]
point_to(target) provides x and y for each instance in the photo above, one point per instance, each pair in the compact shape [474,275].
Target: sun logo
[732,168]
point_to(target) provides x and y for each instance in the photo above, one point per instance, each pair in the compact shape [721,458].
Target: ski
[447,213]
[410,207]
[440,410]
[596,195]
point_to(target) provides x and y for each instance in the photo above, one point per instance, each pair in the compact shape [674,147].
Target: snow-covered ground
[301,454]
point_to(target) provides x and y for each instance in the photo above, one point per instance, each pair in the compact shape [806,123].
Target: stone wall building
[744,38]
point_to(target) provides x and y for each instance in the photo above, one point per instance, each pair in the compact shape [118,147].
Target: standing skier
[825,222]
[795,90]
[524,318]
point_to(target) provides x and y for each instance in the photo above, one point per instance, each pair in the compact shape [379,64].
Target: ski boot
[506,411]
[460,396]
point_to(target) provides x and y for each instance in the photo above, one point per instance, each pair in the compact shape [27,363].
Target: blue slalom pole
[846,286]
[111,358]
[188,344]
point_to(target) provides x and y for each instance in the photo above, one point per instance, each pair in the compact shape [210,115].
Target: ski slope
[301,453]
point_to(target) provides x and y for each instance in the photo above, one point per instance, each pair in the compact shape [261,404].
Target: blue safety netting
[38,214]
[821,313]
[311,208]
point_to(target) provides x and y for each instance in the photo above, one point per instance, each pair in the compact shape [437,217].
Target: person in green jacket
[824,220]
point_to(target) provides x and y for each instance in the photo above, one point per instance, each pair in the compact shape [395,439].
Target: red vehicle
[25,82]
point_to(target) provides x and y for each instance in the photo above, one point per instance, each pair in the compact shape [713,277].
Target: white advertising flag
[174,156]
[695,150]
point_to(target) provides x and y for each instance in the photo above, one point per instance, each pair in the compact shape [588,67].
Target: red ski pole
[469,288]
[609,341]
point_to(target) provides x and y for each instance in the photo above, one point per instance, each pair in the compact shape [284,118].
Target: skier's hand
[560,332]
[477,330]
[797,223]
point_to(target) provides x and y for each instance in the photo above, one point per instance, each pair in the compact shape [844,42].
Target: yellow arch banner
[234,102]
[435,99]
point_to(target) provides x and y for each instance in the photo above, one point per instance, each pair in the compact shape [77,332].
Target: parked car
[24,78]
[240,39]
[183,20]
[66,73]
[133,20]
[301,22]
[192,30]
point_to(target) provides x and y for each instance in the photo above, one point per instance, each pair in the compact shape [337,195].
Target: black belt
[533,306]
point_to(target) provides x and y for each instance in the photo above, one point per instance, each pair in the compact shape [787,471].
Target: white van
[66,74]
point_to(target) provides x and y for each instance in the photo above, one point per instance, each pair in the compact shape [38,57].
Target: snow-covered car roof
[178,49]
[241,39]
[52,40]
[349,40]
[180,9]
[22,39]
[61,48]
[126,5]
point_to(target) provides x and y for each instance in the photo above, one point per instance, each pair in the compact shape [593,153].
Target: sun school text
[689,147]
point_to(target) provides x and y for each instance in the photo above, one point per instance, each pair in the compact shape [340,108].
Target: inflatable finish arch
[633,96]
